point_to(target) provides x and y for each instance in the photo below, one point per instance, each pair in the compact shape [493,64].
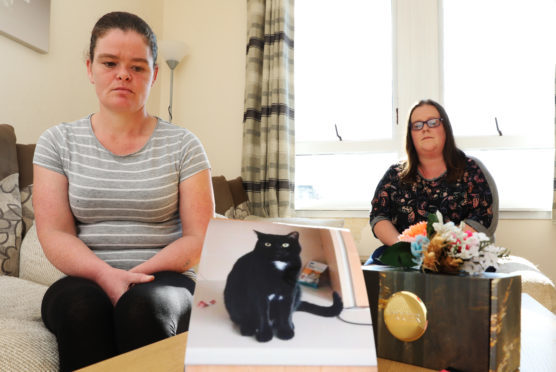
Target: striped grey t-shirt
[125,207]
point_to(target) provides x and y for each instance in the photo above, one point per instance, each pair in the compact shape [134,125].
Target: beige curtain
[268,122]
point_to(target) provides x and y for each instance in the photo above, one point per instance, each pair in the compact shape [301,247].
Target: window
[361,65]
[343,78]
[343,70]
[499,91]
[499,66]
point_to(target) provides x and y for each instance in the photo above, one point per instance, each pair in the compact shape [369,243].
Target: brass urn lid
[405,316]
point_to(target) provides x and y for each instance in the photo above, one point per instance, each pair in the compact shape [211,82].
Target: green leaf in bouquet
[398,254]
[432,218]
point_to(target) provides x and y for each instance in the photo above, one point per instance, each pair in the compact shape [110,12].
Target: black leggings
[89,328]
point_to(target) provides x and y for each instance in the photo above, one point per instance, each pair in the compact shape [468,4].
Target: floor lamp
[173,51]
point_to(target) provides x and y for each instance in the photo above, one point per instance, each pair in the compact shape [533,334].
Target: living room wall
[209,82]
[40,90]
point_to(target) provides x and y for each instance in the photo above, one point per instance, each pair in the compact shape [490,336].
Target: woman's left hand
[116,282]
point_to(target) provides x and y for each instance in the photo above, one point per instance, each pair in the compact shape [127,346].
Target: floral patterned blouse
[469,199]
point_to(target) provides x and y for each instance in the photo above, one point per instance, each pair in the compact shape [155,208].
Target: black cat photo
[262,291]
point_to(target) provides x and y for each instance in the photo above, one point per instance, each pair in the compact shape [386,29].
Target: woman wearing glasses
[437,176]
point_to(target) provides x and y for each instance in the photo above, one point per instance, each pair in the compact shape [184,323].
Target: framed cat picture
[253,305]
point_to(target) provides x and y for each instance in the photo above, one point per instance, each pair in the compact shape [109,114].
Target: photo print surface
[250,309]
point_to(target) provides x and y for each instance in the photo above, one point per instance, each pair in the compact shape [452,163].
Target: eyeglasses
[432,123]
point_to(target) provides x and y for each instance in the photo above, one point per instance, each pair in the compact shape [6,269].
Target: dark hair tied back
[126,22]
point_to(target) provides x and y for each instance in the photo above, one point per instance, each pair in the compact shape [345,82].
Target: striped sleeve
[48,152]
[193,156]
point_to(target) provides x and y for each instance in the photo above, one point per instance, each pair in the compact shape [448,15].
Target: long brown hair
[453,157]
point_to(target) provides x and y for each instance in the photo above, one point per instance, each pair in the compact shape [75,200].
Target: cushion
[27,211]
[8,150]
[25,155]
[34,265]
[10,203]
[238,192]
[20,299]
[27,346]
[533,281]
[241,200]
[223,199]
[242,211]
[25,343]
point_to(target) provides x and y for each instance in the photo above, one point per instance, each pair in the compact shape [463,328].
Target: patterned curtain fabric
[268,121]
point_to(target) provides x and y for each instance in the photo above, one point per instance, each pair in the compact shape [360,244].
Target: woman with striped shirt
[122,201]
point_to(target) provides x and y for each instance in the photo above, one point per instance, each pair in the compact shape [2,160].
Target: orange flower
[429,261]
[435,257]
[409,234]
[449,264]
[433,253]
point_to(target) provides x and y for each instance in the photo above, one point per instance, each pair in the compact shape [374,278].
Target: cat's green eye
[267,244]
[286,245]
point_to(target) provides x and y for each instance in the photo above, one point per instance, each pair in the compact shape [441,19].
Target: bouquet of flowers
[443,247]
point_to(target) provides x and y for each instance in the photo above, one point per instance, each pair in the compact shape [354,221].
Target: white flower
[485,258]
[482,236]
[446,230]
[468,251]
[474,249]
[490,256]
[439,216]
[472,267]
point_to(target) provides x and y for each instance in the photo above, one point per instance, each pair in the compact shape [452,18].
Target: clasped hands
[115,282]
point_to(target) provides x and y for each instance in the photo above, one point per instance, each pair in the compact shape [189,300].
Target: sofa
[25,273]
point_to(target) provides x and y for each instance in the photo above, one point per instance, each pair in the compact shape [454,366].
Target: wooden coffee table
[166,355]
[538,346]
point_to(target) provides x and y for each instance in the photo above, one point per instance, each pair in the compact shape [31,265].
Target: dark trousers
[89,328]
[374,259]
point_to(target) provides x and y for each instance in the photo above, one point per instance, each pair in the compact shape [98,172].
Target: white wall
[209,83]
[37,90]
[41,90]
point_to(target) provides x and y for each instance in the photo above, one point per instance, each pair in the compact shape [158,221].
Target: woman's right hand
[115,282]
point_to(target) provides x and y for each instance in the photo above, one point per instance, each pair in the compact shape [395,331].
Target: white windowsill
[361,213]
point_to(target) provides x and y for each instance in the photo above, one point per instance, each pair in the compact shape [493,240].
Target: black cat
[262,292]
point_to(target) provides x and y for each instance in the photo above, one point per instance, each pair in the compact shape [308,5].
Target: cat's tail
[332,310]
